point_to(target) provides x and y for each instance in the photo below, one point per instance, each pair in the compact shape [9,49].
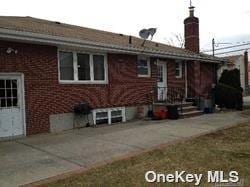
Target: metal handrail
[170,95]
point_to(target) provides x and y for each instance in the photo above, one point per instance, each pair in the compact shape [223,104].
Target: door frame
[22,98]
[165,75]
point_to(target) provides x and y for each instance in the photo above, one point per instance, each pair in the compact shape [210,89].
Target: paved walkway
[42,156]
[246,101]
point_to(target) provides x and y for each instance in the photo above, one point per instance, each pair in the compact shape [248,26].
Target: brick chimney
[246,67]
[191,32]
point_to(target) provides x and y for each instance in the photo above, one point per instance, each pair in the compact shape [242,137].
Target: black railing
[170,95]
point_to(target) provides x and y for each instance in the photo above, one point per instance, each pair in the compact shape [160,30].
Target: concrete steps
[191,114]
[189,111]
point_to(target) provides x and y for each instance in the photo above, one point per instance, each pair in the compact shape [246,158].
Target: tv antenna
[145,33]
[191,3]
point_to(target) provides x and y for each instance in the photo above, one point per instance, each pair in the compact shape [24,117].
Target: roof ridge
[56,28]
[98,30]
[71,25]
[13,16]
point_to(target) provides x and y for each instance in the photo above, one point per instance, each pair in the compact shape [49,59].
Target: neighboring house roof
[234,59]
[43,31]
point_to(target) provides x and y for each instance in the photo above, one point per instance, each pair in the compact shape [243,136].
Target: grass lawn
[225,150]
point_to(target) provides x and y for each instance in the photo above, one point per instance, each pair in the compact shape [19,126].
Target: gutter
[72,42]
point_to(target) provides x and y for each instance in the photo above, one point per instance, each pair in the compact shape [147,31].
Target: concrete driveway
[38,157]
[246,100]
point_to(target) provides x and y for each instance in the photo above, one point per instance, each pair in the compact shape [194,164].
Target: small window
[66,66]
[8,93]
[102,118]
[116,116]
[178,69]
[109,116]
[143,67]
[159,73]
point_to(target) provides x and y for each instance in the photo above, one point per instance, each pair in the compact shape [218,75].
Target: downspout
[246,69]
[186,84]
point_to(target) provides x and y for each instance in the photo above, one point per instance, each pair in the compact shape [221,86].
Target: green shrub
[229,91]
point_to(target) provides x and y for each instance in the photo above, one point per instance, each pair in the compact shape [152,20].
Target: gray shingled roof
[57,29]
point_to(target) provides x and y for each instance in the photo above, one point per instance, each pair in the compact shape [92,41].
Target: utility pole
[217,44]
[213,44]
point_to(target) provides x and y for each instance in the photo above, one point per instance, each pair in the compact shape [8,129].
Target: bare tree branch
[176,40]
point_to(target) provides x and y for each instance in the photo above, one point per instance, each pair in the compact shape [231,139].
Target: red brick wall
[207,78]
[191,34]
[201,76]
[190,79]
[172,81]
[45,96]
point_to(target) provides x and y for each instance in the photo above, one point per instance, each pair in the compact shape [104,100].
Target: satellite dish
[144,34]
[152,31]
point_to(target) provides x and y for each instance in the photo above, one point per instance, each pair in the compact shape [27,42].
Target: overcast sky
[225,20]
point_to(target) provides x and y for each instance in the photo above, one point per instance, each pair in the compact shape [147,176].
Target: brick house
[47,67]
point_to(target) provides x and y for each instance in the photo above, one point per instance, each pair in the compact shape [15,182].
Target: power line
[231,51]
[228,47]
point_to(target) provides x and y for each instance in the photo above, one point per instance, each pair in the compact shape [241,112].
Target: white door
[161,80]
[11,106]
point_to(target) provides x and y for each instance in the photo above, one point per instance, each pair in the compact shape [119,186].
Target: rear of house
[47,68]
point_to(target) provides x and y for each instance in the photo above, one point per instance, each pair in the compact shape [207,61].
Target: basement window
[143,66]
[178,69]
[81,67]
[109,115]
[102,117]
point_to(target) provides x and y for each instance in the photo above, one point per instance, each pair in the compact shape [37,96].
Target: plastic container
[173,112]
[161,114]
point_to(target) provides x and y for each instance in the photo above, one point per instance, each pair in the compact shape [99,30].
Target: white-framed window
[8,93]
[178,69]
[109,115]
[82,67]
[143,66]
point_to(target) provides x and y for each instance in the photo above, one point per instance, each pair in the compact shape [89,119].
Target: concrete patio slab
[80,150]
[21,164]
[246,101]
[38,157]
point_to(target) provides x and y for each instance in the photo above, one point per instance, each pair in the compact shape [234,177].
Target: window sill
[178,77]
[144,76]
[83,82]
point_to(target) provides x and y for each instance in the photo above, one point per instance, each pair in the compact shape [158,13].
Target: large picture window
[82,67]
